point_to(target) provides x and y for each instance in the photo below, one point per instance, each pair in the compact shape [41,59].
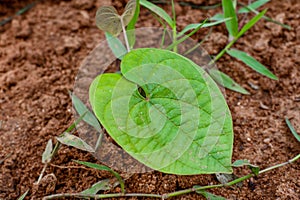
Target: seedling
[163,109]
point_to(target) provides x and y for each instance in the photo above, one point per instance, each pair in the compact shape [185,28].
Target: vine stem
[172,194]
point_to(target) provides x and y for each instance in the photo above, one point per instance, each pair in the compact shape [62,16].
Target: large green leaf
[166,112]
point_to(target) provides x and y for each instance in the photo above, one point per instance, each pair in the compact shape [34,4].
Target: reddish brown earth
[41,51]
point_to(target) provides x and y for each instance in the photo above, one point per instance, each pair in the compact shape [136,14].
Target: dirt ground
[41,51]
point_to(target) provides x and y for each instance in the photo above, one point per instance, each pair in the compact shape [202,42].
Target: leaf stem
[125,35]
[172,194]
[174,26]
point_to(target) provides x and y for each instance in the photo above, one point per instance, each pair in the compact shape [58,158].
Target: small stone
[267,140]
[72,43]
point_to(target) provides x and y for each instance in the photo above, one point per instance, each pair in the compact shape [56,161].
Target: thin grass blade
[131,26]
[23,195]
[251,23]
[20,12]
[225,81]
[105,168]
[185,36]
[159,11]
[251,62]
[292,129]
[253,6]
[205,25]
[229,12]
[101,185]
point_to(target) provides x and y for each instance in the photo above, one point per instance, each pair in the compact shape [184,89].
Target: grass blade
[270,19]
[89,116]
[101,185]
[159,11]
[105,168]
[185,36]
[116,46]
[251,62]
[253,6]
[74,141]
[46,157]
[20,12]
[131,26]
[225,81]
[229,12]
[23,195]
[205,25]
[251,23]
[292,129]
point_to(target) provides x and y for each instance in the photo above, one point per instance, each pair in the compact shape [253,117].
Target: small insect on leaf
[108,19]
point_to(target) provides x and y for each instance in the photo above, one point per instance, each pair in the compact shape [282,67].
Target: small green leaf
[129,12]
[101,185]
[116,46]
[251,23]
[74,141]
[23,195]
[208,195]
[225,81]
[251,62]
[47,153]
[89,117]
[229,12]
[166,112]
[185,37]
[204,25]
[108,19]
[292,129]
[105,168]
[240,163]
[253,6]
[158,11]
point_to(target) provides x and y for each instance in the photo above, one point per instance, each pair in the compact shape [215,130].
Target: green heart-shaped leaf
[166,112]
[108,19]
